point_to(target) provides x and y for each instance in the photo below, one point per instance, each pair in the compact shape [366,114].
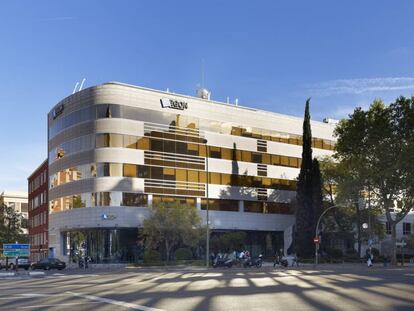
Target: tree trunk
[167,250]
[393,241]
[359,228]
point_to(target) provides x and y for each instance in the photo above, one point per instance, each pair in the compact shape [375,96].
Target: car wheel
[47,268]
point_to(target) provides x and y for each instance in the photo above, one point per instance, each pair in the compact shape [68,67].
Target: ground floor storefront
[126,245]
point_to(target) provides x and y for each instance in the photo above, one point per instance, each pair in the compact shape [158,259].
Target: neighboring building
[117,149]
[405,230]
[38,212]
[17,200]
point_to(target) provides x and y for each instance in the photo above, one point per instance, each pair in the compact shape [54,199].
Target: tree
[377,146]
[172,225]
[317,196]
[11,226]
[343,187]
[304,210]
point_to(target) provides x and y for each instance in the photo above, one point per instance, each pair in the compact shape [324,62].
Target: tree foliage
[377,147]
[11,226]
[308,195]
[172,225]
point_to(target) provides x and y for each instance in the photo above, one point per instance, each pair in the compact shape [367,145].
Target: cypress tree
[304,210]
[317,197]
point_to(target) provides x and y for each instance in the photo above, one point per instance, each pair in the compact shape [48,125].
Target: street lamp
[317,231]
[207,218]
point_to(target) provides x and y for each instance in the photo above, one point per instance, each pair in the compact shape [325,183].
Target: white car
[23,262]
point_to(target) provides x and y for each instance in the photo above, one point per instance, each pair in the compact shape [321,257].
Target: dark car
[49,263]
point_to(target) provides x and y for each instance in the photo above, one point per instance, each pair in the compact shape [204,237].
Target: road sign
[402,244]
[316,240]
[16,250]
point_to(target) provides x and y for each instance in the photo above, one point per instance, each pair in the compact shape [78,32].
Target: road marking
[115,302]
[60,304]
[41,295]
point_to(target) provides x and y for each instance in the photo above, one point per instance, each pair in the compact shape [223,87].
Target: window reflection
[191,125]
[165,173]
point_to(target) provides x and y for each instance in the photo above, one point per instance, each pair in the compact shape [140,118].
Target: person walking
[369,257]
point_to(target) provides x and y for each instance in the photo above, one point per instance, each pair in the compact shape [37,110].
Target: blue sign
[16,250]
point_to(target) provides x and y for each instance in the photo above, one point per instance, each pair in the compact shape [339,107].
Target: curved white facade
[116,149]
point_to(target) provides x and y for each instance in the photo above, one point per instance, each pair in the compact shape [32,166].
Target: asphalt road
[330,288]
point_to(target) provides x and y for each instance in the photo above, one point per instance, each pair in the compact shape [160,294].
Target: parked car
[49,263]
[22,262]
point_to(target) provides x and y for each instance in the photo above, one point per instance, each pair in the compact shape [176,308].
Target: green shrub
[183,254]
[151,255]
[334,252]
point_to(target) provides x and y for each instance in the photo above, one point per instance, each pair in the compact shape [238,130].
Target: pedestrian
[369,257]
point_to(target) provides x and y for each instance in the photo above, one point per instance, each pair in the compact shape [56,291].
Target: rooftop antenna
[76,85]
[201,91]
[83,81]
[202,73]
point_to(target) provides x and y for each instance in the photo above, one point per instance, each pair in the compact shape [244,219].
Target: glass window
[169,173]
[102,140]
[192,149]
[246,156]
[130,170]
[256,157]
[134,199]
[388,228]
[284,161]
[215,152]
[215,178]
[226,154]
[115,169]
[104,198]
[253,207]
[203,177]
[293,162]
[116,140]
[156,172]
[193,176]
[130,142]
[143,143]
[143,171]
[225,179]
[181,175]
[406,228]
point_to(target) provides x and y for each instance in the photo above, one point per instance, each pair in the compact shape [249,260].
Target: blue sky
[269,54]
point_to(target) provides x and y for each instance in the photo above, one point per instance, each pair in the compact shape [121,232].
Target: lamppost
[207,216]
[317,232]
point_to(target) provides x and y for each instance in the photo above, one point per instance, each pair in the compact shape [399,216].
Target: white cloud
[359,86]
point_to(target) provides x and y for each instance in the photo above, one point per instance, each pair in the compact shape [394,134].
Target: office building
[17,200]
[115,150]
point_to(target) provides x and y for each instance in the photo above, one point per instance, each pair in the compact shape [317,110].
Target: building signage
[16,250]
[58,111]
[173,104]
[108,217]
